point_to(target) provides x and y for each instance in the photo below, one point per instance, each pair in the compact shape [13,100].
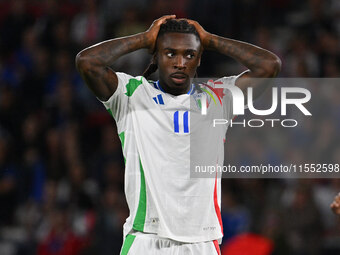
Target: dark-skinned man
[170,213]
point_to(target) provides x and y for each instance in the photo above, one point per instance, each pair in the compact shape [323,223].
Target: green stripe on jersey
[127,244]
[109,110]
[139,221]
[122,140]
[132,85]
[199,103]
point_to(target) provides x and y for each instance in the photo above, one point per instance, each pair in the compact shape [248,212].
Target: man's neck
[173,91]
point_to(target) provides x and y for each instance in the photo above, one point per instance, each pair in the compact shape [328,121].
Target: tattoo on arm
[94,62]
[259,61]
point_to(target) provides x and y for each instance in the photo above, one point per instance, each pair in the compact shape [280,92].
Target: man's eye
[190,56]
[170,54]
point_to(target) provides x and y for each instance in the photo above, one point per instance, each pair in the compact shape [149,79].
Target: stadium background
[61,167]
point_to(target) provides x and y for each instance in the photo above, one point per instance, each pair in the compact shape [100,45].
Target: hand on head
[153,30]
[201,32]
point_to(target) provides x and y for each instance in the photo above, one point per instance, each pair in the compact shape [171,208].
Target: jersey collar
[158,86]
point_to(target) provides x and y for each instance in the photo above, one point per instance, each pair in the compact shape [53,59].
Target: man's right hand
[335,206]
[153,30]
[94,63]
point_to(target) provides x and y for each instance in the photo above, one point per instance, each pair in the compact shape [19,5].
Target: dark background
[61,167]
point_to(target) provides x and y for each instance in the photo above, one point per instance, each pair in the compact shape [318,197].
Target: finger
[164,18]
[191,21]
[169,16]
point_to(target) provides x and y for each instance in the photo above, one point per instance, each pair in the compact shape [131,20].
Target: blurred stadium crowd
[61,167]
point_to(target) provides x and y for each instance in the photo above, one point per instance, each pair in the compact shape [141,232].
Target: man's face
[178,55]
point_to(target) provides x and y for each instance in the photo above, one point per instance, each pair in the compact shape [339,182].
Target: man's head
[177,55]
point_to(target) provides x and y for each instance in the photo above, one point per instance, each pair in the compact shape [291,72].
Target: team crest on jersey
[209,93]
[198,99]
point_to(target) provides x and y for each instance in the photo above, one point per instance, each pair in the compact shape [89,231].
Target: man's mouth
[178,77]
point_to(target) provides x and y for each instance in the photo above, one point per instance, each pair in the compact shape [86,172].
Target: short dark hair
[171,26]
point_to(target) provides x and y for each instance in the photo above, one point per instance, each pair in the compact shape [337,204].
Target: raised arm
[94,63]
[260,62]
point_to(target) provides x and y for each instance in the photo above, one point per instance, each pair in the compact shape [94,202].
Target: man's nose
[180,62]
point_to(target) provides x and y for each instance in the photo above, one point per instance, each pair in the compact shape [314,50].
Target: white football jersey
[156,131]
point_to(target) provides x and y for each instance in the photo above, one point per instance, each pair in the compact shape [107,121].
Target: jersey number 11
[181,125]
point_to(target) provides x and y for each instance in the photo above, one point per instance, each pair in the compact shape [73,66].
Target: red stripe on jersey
[217,247]
[217,208]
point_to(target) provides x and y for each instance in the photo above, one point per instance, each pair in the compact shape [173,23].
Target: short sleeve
[117,104]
